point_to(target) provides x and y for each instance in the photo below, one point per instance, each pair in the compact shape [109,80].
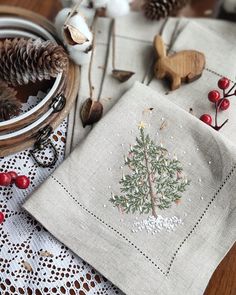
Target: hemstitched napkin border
[174,256]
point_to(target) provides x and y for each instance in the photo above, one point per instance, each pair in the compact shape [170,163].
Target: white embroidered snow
[156,225]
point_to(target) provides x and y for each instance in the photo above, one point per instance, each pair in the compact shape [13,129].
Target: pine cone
[9,105]
[157,9]
[30,60]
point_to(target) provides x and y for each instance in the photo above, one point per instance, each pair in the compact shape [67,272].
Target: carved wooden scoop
[121,75]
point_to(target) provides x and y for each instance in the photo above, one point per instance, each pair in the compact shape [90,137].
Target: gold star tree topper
[141,125]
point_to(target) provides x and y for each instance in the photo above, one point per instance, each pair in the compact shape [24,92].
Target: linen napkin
[148,199]
[134,51]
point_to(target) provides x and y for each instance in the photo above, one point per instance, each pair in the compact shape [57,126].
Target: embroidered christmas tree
[155,180]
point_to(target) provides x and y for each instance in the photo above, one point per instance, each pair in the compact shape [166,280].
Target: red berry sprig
[221,103]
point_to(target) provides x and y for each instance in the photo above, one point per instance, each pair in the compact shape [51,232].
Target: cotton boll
[230,6]
[83,47]
[100,3]
[78,57]
[76,31]
[116,8]
[60,20]
[84,2]
[87,13]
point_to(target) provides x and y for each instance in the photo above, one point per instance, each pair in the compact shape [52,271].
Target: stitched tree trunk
[152,194]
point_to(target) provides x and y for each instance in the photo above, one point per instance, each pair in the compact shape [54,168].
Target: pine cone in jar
[9,105]
[25,60]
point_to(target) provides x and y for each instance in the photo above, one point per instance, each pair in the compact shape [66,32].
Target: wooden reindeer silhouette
[184,66]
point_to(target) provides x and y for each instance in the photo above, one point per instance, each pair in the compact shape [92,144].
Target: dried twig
[73,10]
[120,75]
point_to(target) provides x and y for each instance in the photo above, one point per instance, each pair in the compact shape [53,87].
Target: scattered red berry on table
[214,96]
[22,182]
[206,118]
[223,83]
[224,104]
[2,217]
[13,176]
[5,179]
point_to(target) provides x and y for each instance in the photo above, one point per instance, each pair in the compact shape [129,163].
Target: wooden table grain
[223,281]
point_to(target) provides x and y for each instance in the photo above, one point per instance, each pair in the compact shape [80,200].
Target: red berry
[5,179]
[224,104]
[223,83]
[214,96]
[2,217]
[13,176]
[206,118]
[22,182]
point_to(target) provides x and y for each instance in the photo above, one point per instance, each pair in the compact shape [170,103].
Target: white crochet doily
[32,261]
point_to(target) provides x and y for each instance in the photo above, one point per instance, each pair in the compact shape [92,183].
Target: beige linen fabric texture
[73,204]
[134,51]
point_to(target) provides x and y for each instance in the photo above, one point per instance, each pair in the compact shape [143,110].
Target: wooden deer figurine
[184,66]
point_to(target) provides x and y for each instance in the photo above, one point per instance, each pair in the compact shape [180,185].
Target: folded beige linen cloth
[148,199]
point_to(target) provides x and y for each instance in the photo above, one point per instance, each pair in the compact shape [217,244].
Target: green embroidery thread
[155,181]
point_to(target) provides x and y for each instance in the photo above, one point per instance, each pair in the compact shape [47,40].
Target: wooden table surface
[223,281]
